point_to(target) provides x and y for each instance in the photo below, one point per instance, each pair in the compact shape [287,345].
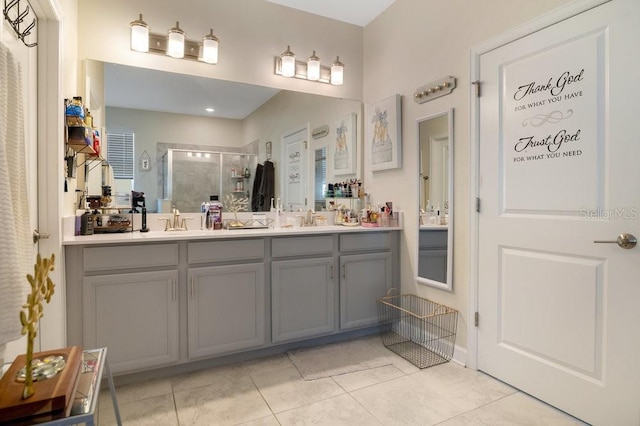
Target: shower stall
[191,177]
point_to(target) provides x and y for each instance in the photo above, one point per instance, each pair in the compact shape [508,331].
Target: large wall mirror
[166,111]
[435,239]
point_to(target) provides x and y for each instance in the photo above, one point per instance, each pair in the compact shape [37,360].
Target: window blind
[120,154]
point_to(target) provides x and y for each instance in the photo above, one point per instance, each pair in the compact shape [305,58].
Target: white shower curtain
[15,245]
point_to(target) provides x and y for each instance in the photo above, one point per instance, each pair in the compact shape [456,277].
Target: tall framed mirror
[435,165]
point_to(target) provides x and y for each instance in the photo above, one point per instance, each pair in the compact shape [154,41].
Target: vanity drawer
[301,246]
[126,257]
[225,250]
[365,241]
[433,238]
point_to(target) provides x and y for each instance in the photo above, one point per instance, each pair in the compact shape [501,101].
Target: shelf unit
[78,139]
[240,178]
[352,203]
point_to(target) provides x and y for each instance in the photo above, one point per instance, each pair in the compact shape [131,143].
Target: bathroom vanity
[168,298]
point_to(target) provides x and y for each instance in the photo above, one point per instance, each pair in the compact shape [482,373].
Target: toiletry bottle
[88,119]
[96,142]
[215,210]
[208,222]
[278,213]
[143,227]
[86,223]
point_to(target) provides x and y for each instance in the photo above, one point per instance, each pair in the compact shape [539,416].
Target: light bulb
[175,46]
[313,67]
[139,35]
[288,63]
[337,72]
[210,48]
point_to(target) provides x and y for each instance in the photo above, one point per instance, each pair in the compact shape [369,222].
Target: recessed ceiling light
[209,109]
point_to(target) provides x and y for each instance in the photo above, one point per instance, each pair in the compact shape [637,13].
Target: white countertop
[434,227]
[159,236]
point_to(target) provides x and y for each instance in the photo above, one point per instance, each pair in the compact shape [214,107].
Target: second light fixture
[311,69]
[174,43]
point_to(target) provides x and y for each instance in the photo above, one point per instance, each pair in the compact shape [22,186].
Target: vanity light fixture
[174,43]
[311,69]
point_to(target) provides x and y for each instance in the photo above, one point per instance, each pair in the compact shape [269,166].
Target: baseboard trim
[460,355]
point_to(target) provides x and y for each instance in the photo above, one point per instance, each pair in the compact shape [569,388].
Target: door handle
[37,236]
[625,241]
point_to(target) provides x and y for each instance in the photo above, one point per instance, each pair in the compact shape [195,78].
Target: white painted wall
[412,43]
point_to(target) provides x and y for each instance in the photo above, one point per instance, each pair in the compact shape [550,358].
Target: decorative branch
[42,288]
[234,205]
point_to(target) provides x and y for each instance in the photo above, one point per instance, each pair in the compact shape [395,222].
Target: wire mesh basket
[419,330]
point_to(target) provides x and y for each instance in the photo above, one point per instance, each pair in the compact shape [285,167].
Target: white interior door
[558,170]
[27,57]
[296,167]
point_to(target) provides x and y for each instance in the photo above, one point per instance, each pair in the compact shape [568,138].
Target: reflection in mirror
[320,185]
[194,177]
[435,239]
[167,111]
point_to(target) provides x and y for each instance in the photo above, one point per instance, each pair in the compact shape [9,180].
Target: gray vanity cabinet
[167,303]
[302,298]
[303,290]
[364,277]
[226,308]
[135,315]
[225,296]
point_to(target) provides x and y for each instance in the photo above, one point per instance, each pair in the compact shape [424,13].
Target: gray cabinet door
[364,278]
[226,308]
[134,315]
[303,298]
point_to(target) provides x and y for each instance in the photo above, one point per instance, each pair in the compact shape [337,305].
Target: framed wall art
[343,135]
[383,136]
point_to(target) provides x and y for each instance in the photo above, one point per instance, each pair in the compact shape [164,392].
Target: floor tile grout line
[486,404]
[264,399]
[175,406]
[365,408]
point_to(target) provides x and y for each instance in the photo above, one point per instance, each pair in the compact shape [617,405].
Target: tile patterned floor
[271,391]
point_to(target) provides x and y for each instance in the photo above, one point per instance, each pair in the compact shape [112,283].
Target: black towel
[267,186]
[256,203]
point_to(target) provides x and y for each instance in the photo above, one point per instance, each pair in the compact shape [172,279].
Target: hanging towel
[267,185]
[256,201]
[15,245]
